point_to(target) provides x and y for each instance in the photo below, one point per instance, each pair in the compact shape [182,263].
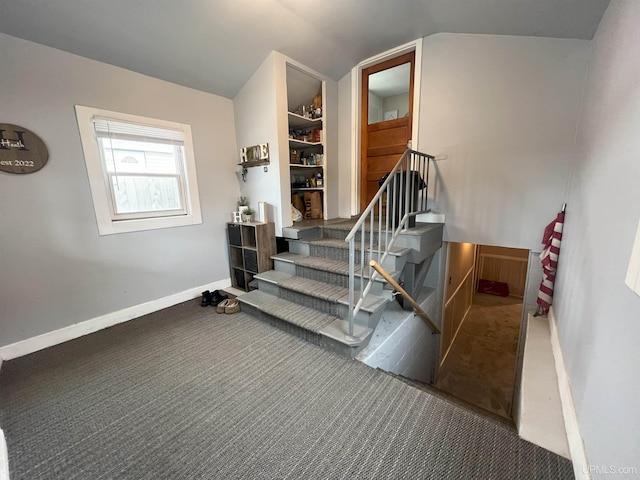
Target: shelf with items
[305,158]
[251,245]
[307,136]
[298,121]
[300,165]
[309,202]
[307,178]
[293,143]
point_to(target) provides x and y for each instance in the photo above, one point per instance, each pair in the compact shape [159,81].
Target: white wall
[397,102]
[256,121]
[55,270]
[598,316]
[333,167]
[344,146]
[375,108]
[504,109]
[261,117]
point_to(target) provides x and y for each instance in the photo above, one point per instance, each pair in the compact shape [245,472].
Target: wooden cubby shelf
[251,245]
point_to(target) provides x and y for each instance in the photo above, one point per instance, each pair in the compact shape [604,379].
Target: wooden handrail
[434,328]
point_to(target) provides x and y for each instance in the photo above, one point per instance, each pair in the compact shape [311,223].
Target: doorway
[385,119]
[484,301]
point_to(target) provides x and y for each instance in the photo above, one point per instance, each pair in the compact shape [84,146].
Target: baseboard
[571,425]
[540,418]
[49,339]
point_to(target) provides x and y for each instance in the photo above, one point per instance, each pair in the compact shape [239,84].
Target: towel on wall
[549,257]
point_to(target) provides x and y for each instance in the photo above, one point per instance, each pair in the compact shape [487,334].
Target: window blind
[118,129]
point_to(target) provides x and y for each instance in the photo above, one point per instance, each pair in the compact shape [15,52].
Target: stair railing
[401,197]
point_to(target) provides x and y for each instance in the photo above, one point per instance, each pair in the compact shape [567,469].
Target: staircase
[307,292]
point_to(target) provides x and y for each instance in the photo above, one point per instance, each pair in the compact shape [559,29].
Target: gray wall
[55,270]
[504,109]
[598,316]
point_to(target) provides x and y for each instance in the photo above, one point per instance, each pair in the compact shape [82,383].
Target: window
[141,171]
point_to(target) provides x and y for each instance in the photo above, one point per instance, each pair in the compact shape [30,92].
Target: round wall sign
[21,151]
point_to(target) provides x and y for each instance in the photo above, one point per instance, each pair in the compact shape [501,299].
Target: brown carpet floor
[481,364]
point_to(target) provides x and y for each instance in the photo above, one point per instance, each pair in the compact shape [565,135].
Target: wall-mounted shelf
[300,165]
[254,163]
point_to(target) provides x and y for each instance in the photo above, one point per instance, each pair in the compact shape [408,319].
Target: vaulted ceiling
[216,45]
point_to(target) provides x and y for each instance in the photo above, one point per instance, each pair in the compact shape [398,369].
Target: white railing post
[397,187]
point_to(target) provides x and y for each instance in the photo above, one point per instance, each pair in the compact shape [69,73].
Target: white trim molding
[98,178]
[49,339]
[571,425]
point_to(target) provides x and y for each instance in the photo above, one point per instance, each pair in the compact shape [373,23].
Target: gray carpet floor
[187,393]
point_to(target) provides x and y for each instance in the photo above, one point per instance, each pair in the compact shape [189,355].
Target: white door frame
[356,74]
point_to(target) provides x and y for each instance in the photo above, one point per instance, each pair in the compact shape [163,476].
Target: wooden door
[383,142]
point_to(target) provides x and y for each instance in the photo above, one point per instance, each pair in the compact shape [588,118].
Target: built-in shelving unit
[305,99]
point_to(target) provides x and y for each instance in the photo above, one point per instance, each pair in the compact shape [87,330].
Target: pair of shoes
[206,298]
[228,306]
[213,299]
[217,297]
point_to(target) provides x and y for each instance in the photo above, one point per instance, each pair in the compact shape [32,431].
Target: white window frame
[98,176]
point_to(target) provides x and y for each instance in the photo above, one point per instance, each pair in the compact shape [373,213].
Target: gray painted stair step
[273,276]
[299,315]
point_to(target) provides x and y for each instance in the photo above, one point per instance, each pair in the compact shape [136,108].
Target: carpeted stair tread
[321,263]
[328,265]
[331,242]
[314,288]
[346,227]
[341,244]
[304,317]
[317,263]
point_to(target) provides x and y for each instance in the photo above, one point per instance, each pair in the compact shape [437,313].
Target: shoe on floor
[217,297]
[206,298]
[232,306]
[221,306]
